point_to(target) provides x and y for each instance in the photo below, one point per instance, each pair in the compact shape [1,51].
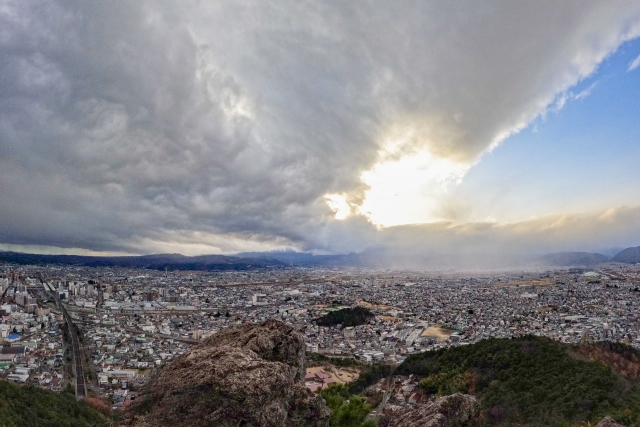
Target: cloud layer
[144,126]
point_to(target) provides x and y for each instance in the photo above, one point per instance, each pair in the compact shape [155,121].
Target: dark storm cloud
[151,125]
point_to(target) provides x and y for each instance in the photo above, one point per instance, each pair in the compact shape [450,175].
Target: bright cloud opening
[407,190]
[338,204]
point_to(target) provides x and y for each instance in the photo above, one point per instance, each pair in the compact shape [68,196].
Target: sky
[133,127]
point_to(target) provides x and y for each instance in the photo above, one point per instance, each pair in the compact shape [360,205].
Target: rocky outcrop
[273,341]
[450,411]
[249,375]
[608,422]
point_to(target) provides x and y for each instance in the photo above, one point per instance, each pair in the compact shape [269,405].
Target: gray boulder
[608,422]
[238,377]
[450,411]
[273,341]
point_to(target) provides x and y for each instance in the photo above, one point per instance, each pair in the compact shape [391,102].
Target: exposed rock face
[273,341]
[449,411]
[608,422]
[238,377]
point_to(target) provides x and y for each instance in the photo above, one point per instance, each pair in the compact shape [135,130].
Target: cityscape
[131,322]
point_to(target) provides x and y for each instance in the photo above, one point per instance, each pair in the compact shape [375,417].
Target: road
[3,294]
[162,336]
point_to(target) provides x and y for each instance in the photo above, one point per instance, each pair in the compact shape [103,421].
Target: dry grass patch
[375,306]
[442,334]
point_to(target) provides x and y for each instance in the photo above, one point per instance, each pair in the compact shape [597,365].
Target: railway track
[81,390]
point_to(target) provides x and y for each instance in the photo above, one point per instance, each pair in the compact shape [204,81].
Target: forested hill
[536,381]
[27,406]
[346,317]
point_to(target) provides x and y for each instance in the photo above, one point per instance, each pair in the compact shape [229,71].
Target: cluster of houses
[134,321]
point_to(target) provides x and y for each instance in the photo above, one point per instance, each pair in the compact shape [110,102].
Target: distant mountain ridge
[155,262]
[629,255]
[382,258]
[307,259]
[378,257]
[573,258]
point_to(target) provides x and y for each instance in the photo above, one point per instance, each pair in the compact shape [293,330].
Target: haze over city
[188,127]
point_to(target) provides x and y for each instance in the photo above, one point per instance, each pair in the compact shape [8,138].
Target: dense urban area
[102,331]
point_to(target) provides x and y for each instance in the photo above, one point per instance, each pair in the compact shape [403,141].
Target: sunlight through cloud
[407,190]
[338,204]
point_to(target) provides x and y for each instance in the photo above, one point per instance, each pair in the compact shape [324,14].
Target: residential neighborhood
[131,322]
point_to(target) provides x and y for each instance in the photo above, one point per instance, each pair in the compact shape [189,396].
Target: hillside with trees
[346,410]
[532,381]
[27,406]
[346,317]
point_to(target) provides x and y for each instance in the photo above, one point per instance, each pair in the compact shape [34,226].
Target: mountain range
[280,259]
[155,262]
[629,255]
[573,258]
